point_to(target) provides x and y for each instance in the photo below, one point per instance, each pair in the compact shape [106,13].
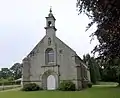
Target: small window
[49,41]
[61,51]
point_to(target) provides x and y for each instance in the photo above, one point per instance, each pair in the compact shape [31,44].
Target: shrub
[31,87]
[89,85]
[67,86]
[17,83]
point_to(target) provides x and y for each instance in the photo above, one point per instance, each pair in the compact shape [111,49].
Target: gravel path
[14,89]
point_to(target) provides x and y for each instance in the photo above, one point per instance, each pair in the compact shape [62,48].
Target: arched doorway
[51,83]
[50,80]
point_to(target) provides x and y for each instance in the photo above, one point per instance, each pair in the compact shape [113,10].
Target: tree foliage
[106,13]
[15,72]
[103,70]
[108,70]
[94,68]
[5,73]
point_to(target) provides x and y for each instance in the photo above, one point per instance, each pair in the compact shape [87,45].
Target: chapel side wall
[79,73]
[79,78]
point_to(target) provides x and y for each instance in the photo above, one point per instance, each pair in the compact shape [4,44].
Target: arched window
[49,56]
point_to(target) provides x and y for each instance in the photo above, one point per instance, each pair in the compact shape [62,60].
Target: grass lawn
[95,92]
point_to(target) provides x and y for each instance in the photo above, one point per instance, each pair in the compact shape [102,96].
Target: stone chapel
[52,57]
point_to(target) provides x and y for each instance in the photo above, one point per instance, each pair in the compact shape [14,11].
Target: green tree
[94,68]
[16,70]
[106,13]
[5,73]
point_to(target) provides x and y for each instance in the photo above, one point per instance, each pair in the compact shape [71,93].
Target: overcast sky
[22,25]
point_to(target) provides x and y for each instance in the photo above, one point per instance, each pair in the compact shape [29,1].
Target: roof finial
[50,14]
[50,9]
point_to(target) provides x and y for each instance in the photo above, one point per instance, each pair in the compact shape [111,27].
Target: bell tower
[50,24]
